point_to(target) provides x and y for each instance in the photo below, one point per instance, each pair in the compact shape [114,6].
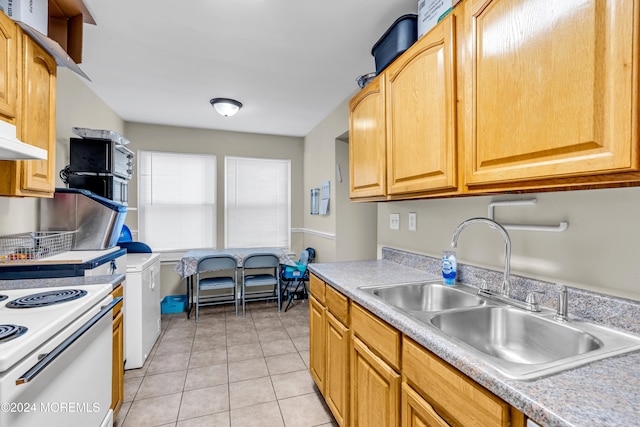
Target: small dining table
[188,264]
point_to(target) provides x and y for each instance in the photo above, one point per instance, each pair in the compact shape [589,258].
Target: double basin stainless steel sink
[520,344]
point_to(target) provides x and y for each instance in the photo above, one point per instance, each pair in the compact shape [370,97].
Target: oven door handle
[53,354]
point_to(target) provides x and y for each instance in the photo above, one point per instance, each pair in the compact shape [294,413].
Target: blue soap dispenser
[449,266]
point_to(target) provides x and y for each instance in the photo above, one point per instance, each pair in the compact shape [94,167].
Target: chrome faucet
[562,313]
[506,283]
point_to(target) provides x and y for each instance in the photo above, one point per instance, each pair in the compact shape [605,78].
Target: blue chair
[251,278]
[216,263]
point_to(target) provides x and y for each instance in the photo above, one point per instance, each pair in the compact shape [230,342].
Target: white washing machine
[141,307]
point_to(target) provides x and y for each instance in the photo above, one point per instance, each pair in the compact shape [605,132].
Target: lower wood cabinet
[329,347]
[371,375]
[117,390]
[336,390]
[453,396]
[375,371]
[375,389]
[417,412]
[317,341]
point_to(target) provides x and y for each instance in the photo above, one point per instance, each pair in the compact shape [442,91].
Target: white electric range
[55,356]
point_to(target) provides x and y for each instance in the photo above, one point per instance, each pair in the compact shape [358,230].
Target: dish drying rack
[35,245]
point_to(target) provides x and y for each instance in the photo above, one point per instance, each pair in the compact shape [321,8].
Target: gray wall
[597,252]
[348,232]
[356,222]
[220,143]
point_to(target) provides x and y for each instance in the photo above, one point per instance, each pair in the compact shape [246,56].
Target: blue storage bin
[398,38]
[173,304]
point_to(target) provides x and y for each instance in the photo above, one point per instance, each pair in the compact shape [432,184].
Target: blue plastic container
[173,304]
[398,38]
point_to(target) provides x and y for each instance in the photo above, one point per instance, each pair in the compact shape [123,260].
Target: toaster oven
[100,156]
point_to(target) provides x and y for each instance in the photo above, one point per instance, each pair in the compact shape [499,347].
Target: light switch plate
[413,221]
[394,221]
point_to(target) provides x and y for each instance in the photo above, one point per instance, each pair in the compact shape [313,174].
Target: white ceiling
[290,62]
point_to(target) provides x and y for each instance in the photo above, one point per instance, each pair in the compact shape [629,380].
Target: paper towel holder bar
[523,227]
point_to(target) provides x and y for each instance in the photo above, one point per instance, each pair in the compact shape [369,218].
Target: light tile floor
[227,371]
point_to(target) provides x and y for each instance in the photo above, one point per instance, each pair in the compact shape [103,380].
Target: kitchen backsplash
[612,311]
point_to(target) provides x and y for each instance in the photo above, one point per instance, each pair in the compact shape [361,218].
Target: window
[176,200]
[257,202]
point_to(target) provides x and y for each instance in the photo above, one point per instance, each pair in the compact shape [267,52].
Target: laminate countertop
[602,393]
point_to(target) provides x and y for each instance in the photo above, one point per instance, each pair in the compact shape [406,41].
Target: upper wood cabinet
[35,124]
[421,115]
[552,92]
[38,121]
[8,69]
[403,124]
[367,143]
[511,95]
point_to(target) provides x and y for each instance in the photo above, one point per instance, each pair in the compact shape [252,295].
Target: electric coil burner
[43,299]
[9,332]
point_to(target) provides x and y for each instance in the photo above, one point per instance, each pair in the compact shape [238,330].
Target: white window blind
[176,200]
[257,202]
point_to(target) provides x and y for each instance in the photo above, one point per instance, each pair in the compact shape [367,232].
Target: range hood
[11,148]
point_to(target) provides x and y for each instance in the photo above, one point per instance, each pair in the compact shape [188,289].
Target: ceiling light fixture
[225,106]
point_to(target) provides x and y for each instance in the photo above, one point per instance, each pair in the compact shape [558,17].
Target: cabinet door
[367,157]
[457,397]
[317,346]
[336,387]
[37,123]
[421,115]
[117,390]
[117,367]
[553,89]
[416,412]
[375,389]
[8,69]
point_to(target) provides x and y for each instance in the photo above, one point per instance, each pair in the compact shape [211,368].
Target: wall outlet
[394,221]
[413,221]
